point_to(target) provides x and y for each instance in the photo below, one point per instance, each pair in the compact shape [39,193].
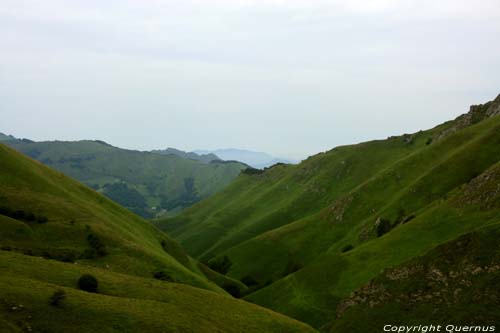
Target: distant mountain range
[254,159]
[206,158]
[150,184]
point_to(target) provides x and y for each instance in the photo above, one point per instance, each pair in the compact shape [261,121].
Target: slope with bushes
[54,230]
[311,234]
[149,184]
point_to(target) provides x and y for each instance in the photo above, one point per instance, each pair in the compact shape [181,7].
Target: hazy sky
[290,77]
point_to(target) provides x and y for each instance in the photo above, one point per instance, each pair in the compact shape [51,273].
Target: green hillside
[149,184]
[311,234]
[54,230]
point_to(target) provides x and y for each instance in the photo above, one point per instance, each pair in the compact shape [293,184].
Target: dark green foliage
[222,266]
[429,141]
[137,180]
[252,171]
[57,297]
[347,248]
[22,215]
[408,218]
[162,275]
[63,255]
[249,281]
[383,227]
[232,289]
[291,267]
[127,197]
[186,199]
[88,283]
[97,248]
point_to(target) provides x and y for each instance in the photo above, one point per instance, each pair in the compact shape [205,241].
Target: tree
[232,289]
[383,227]
[88,283]
[221,266]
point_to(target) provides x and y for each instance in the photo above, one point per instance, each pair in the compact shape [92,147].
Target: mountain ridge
[292,227]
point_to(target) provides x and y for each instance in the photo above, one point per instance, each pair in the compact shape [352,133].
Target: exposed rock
[476,114]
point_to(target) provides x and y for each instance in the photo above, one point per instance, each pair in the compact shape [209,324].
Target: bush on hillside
[249,281]
[57,297]
[383,227]
[97,248]
[232,289]
[88,283]
[162,275]
[22,215]
[221,266]
[347,248]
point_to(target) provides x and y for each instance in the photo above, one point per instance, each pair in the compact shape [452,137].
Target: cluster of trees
[252,171]
[96,248]
[221,266]
[127,197]
[189,197]
[22,215]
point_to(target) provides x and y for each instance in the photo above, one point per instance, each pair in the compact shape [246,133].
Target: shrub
[347,248]
[249,281]
[63,255]
[383,227]
[97,247]
[222,266]
[428,142]
[88,283]
[161,275]
[232,289]
[57,297]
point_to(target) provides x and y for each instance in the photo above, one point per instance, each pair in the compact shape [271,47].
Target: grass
[124,303]
[147,179]
[38,259]
[306,214]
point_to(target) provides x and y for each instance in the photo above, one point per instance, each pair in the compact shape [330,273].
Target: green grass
[464,291]
[151,180]
[304,215]
[36,259]
[124,303]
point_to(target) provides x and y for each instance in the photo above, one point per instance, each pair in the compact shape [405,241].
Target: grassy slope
[154,176]
[74,211]
[459,281]
[307,213]
[124,303]
[129,299]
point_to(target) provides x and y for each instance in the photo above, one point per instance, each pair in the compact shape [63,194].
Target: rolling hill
[149,184]
[310,235]
[54,229]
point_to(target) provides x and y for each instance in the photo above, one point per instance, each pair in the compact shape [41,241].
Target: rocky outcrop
[458,272]
[476,114]
[482,191]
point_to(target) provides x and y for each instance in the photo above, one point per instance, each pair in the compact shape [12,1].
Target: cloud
[284,76]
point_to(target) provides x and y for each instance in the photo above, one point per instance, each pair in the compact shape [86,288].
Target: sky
[289,77]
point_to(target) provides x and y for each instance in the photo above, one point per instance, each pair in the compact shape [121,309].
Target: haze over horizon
[291,78]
